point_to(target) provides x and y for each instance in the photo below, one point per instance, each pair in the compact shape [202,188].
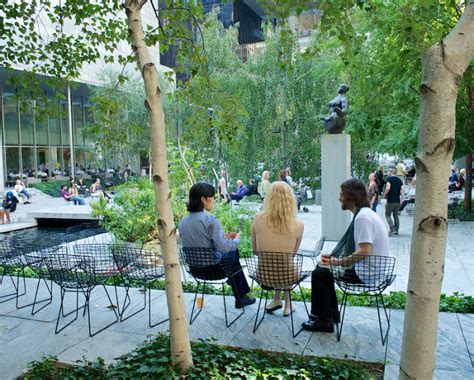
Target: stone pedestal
[335,169]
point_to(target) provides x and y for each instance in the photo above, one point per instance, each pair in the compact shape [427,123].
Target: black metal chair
[372,276]
[201,264]
[278,271]
[13,265]
[77,274]
[139,266]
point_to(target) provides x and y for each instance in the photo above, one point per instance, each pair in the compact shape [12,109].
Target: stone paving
[24,338]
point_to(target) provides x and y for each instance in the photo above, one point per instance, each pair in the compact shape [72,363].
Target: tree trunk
[468,183]
[443,68]
[470,137]
[178,325]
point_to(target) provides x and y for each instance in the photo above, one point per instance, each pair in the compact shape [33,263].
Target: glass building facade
[35,135]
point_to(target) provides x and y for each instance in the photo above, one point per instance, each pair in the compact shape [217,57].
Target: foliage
[152,360]
[237,219]
[51,187]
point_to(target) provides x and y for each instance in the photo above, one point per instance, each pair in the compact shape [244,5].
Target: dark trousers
[237,282]
[323,292]
[229,264]
[405,202]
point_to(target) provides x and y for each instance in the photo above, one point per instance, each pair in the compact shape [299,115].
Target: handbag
[309,194]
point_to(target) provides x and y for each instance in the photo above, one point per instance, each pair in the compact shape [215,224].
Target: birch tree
[443,67]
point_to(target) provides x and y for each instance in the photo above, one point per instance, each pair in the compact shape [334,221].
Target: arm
[254,237]
[221,243]
[387,189]
[365,249]
[298,240]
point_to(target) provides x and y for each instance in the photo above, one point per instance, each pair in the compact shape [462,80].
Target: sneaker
[274,305]
[288,310]
[244,301]
[318,326]
[392,233]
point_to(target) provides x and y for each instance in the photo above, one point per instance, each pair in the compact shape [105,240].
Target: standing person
[381,180]
[199,229]
[223,193]
[373,191]
[264,184]
[392,193]
[401,171]
[276,230]
[366,235]
[289,180]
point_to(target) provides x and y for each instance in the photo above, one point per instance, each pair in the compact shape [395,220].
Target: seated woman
[96,189]
[276,230]
[21,189]
[199,229]
[81,187]
[8,206]
[71,197]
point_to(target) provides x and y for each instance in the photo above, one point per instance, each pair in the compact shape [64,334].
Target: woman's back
[266,240]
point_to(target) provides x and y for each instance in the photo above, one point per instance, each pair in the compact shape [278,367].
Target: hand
[231,235]
[325,258]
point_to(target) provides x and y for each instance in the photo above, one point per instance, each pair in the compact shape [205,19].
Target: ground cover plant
[152,361]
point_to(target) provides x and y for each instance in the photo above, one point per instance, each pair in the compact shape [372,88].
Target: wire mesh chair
[13,265]
[370,277]
[105,269]
[202,265]
[35,256]
[279,271]
[314,253]
[77,274]
[140,266]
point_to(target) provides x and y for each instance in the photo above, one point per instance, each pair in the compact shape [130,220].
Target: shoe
[274,305]
[396,232]
[288,310]
[392,233]
[244,301]
[318,326]
[305,209]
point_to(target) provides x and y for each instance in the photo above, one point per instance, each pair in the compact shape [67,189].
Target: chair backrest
[319,246]
[371,273]
[9,254]
[103,257]
[68,270]
[275,270]
[138,262]
[205,263]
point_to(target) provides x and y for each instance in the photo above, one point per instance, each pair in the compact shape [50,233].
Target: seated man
[241,191]
[199,229]
[20,189]
[366,235]
[69,197]
[8,206]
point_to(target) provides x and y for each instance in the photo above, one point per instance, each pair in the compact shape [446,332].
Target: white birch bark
[178,324]
[443,68]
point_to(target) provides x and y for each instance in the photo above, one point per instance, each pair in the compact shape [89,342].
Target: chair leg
[225,307]
[149,312]
[126,305]
[258,322]
[291,315]
[342,312]
[61,311]
[191,320]
[8,296]
[387,317]
[48,300]
[88,292]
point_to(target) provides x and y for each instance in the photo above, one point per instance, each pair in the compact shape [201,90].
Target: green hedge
[152,361]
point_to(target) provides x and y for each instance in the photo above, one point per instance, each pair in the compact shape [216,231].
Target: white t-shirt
[369,228]
[223,186]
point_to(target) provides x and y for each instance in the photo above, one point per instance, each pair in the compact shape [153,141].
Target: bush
[152,361]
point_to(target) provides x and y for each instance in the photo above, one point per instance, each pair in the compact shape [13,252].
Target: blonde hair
[279,207]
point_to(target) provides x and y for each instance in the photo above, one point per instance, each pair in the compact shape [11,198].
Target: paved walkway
[24,338]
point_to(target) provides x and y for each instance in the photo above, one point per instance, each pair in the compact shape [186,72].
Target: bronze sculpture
[338,108]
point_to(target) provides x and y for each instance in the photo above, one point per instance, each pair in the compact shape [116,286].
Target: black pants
[229,264]
[323,292]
